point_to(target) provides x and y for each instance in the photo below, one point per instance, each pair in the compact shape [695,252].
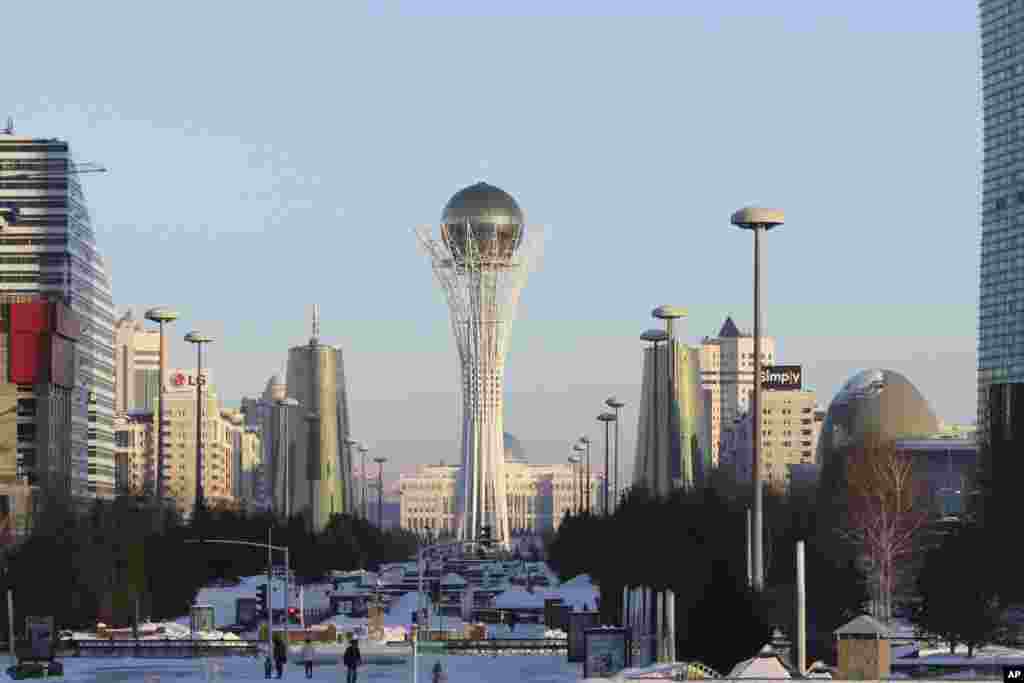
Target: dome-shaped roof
[482,223]
[513,449]
[878,403]
[484,203]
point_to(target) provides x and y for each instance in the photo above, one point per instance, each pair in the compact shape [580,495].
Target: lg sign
[180,379]
[781,377]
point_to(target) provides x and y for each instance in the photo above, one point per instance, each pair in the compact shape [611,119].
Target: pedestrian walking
[280,656]
[352,659]
[268,666]
[438,674]
[307,658]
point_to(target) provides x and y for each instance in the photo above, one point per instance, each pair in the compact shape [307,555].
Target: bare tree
[885,510]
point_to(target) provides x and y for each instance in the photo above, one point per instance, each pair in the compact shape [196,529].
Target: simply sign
[781,377]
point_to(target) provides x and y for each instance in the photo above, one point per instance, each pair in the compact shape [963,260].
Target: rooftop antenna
[9,129]
[316,325]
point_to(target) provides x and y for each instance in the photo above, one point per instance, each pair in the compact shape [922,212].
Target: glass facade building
[48,248]
[1001,300]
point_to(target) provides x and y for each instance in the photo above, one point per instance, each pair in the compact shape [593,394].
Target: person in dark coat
[280,656]
[352,660]
[512,621]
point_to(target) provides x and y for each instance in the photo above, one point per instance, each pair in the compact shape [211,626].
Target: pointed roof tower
[729,329]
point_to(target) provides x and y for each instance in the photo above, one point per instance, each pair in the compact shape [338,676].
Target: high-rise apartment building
[1001,301]
[48,248]
[789,436]
[231,451]
[321,483]
[137,365]
[727,377]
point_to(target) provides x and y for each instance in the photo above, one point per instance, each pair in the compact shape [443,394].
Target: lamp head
[161,314]
[753,218]
[198,338]
[614,403]
[606,417]
[654,336]
[668,312]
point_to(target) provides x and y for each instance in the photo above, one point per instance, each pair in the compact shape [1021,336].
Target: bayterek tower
[481,262]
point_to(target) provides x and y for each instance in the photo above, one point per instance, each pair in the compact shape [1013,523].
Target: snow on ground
[504,669]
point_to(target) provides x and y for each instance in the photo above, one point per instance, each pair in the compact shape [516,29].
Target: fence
[549,644]
[162,648]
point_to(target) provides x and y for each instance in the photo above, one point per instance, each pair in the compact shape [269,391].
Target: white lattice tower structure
[482,262]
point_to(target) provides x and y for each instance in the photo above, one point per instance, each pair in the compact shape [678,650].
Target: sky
[264,157]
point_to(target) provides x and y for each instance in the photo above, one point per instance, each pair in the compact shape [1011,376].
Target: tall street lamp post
[757,220]
[380,460]
[607,418]
[615,405]
[161,315]
[366,510]
[653,465]
[352,445]
[585,441]
[199,339]
[580,450]
[669,314]
[573,461]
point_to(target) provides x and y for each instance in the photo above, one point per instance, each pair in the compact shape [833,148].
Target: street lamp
[284,404]
[573,462]
[380,460]
[607,418]
[199,339]
[615,405]
[351,444]
[669,314]
[756,220]
[580,450]
[161,315]
[652,466]
[366,511]
[585,441]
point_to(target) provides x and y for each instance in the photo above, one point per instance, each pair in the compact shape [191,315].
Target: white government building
[538,495]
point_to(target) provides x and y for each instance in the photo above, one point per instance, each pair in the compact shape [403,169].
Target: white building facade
[137,365]
[539,496]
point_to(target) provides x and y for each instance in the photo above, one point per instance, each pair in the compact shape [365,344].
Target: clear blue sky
[268,156]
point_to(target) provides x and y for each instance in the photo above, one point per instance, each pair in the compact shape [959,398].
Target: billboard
[782,377]
[30,317]
[25,357]
[606,652]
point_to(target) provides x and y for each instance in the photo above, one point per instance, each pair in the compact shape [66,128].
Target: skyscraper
[47,247]
[136,366]
[318,486]
[481,264]
[1001,301]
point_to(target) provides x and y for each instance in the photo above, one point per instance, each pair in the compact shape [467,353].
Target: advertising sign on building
[782,377]
[605,651]
[181,379]
[40,637]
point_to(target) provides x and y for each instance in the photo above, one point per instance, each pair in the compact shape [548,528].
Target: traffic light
[293,615]
[264,603]
[485,536]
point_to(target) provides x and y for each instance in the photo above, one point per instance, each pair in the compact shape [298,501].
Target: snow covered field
[504,669]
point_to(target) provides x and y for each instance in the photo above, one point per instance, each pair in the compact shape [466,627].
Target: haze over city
[252,178]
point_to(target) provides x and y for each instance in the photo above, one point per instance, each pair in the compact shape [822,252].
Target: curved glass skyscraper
[48,249]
